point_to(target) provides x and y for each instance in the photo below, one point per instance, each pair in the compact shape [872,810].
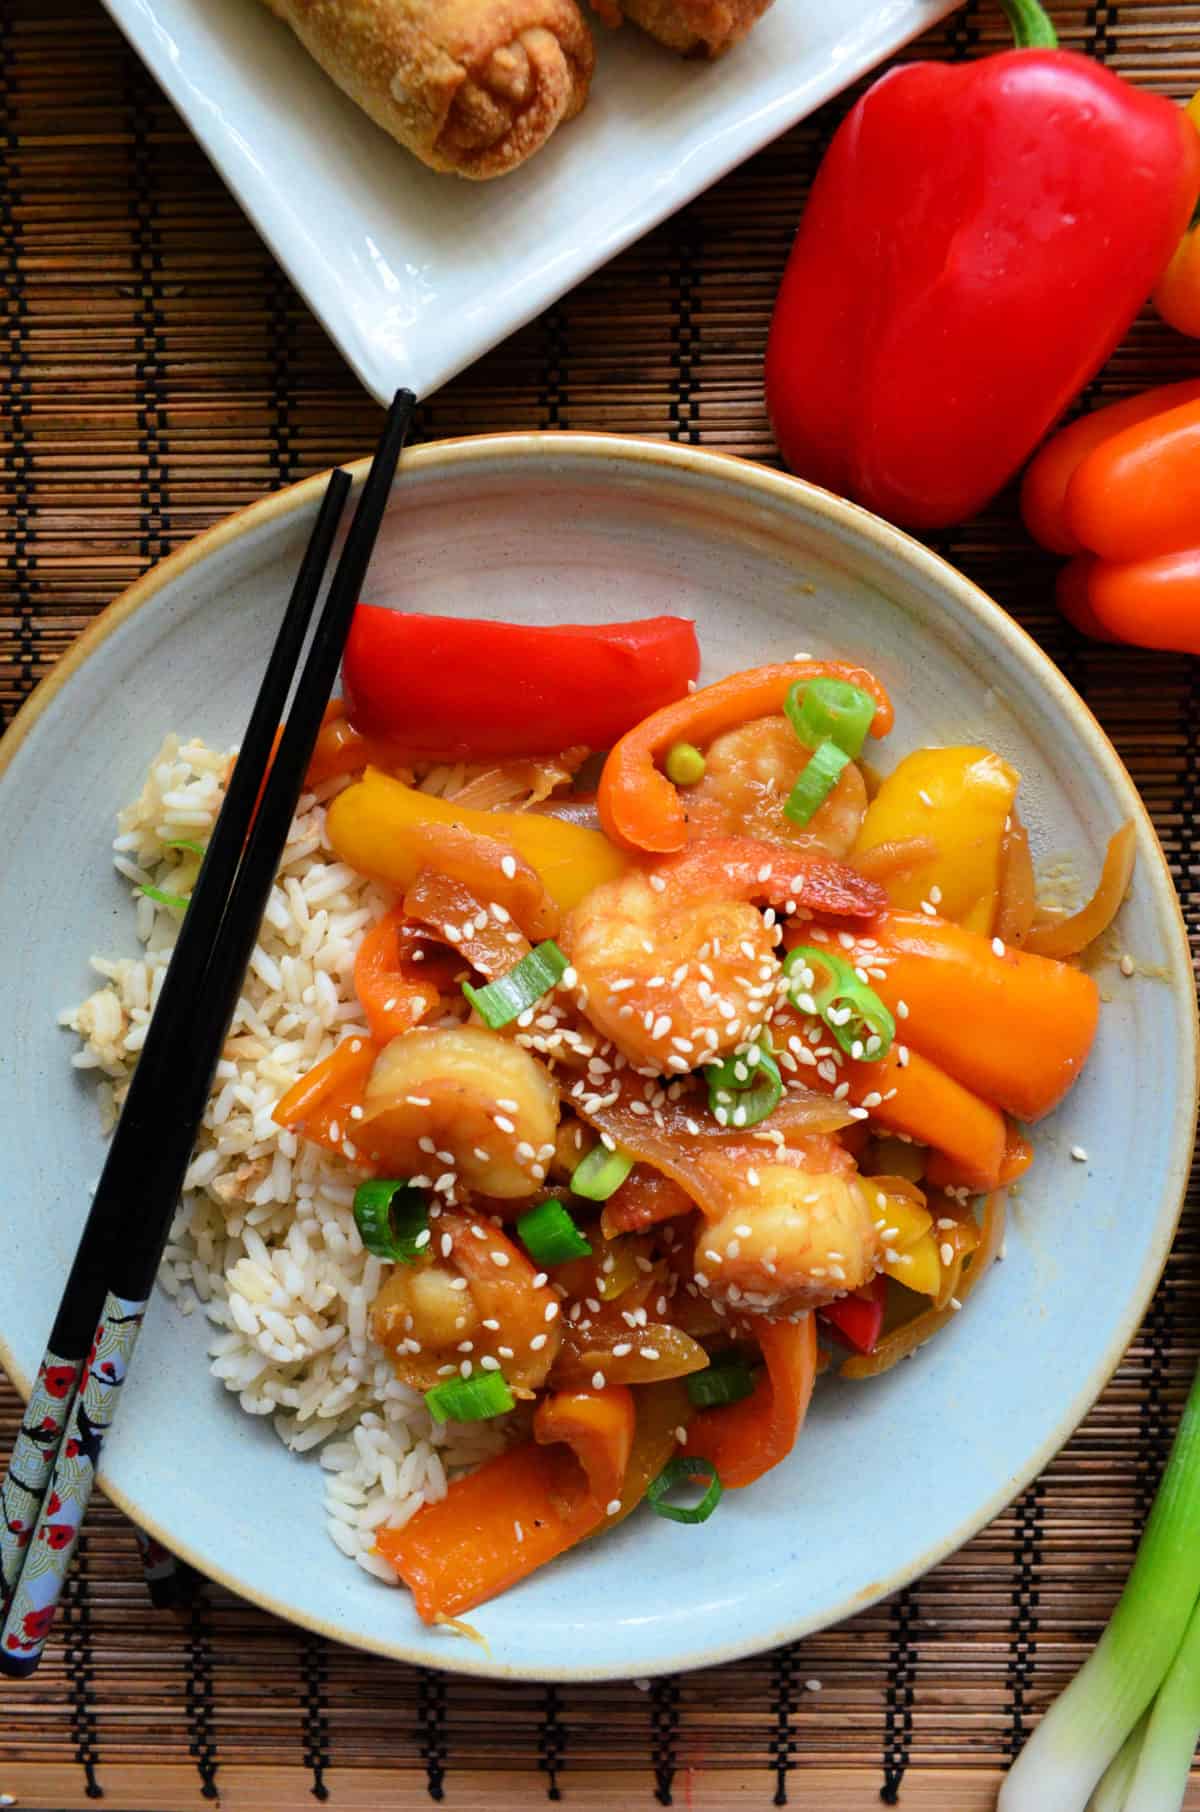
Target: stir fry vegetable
[657,1114]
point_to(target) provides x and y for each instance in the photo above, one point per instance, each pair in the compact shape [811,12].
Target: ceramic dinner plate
[415,274]
[888,1476]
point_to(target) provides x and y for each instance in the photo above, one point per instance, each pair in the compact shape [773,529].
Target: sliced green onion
[178,900]
[815,784]
[742,1091]
[725,1381]
[188,843]
[1154,1629]
[550,1236]
[473,1399]
[391,1216]
[506,998]
[821,982]
[682,1471]
[685,764]
[601,1173]
[830,709]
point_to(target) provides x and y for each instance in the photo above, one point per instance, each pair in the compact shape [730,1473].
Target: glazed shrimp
[459,1102]
[796,1238]
[748,775]
[472,1302]
[677,966]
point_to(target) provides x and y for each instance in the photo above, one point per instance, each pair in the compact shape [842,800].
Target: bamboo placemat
[157,371]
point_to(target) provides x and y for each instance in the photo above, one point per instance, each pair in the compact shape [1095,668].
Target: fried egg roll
[469,86]
[697,28]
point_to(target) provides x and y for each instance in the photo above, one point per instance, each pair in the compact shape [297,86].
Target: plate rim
[603,450]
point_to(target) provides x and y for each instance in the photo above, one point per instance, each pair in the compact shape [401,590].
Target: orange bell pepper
[465,1549]
[1012,1027]
[1121,491]
[744,1440]
[597,1425]
[1177,294]
[318,1106]
[639,807]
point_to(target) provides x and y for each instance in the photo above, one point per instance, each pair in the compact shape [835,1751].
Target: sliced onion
[1067,937]
[906,1339]
[682,1139]
[1017,901]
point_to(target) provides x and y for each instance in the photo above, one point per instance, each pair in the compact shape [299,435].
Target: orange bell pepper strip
[923,1102]
[459,1552]
[395,991]
[597,1425]
[744,1440]
[639,807]
[1044,488]
[1012,1027]
[318,1106]
[944,1172]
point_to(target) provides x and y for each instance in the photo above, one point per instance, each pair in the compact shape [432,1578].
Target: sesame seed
[551,1311]
[622,1347]
[923,796]
[518,1531]
[447,1245]
[499,1258]
[488,1363]
[423,1238]
[901,1009]
[503,1124]
[997,946]
[929,909]
[1079,1154]
[812,1686]
[658,884]
[458,1283]
[508,867]
[466,1368]
[537,1343]
[649,1352]
[946,1252]
[598,1380]
[612,1507]
[1126,964]
[491,1324]
[955,1303]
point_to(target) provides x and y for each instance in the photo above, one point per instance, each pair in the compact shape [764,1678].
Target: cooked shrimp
[460,1102]
[749,773]
[472,1303]
[796,1239]
[677,966]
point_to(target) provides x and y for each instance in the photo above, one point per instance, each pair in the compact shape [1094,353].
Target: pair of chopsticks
[77,1390]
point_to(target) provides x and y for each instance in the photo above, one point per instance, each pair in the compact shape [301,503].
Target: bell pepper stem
[1031,28]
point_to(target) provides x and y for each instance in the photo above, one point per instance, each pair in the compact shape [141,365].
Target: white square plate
[415,274]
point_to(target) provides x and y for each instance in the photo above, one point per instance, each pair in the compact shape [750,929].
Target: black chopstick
[105,1298]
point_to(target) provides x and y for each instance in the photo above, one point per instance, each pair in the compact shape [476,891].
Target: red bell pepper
[858,1318]
[463,686]
[978,239]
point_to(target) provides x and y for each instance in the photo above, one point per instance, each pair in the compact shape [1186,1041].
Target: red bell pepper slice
[858,1318]
[462,686]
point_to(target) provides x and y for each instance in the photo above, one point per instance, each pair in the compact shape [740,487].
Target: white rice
[264,1237]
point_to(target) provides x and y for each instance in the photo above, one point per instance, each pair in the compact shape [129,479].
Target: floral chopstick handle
[30,1466]
[49,1549]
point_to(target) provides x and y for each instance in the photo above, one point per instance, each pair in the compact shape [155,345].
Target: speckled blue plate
[585,527]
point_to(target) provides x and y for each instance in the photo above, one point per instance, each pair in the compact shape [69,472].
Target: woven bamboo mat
[157,370]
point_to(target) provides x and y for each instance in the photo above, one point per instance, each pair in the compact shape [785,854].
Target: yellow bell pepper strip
[744,1440]
[1044,487]
[910,1248]
[597,1425]
[380,826]
[1012,1026]
[962,798]
[640,808]
[1177,293]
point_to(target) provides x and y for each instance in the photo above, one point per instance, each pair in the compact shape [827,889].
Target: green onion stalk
[1148,1660]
